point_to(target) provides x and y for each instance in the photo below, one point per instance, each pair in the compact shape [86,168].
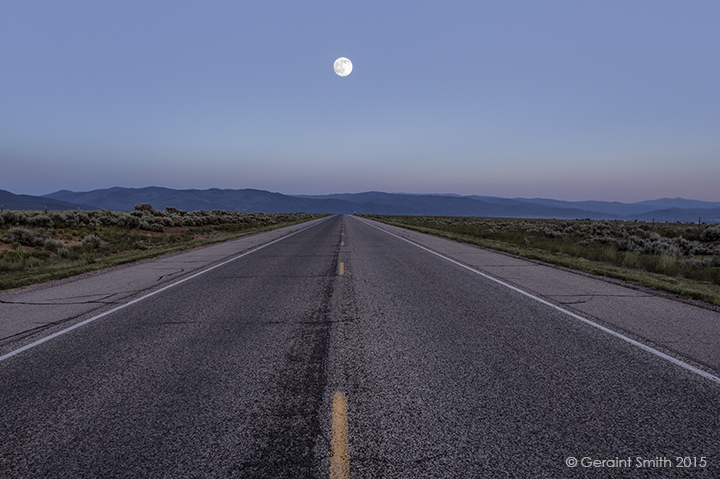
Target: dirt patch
[174,230]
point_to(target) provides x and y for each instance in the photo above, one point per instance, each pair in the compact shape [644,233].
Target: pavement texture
[683,330]
[442,373]
[27,314]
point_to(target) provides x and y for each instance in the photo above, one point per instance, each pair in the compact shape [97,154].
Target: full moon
[342,66]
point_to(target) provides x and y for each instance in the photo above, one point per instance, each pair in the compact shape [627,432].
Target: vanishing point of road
[347,348]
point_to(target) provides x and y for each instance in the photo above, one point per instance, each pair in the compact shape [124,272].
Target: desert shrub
[605,240]
[40,221]
[711,233]
[697,262]
[26,237]
[63,252]
[53,245]
[16,256]
[92,240]
[677,246]
[13,218]
[631,244]
[105,218]
[145,225]
[141,245]
[82,217]
[552,233]
[144,207]
[128,221]
[173,210]
[58,217]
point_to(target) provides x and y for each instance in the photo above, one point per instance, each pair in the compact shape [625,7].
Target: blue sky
[573,100]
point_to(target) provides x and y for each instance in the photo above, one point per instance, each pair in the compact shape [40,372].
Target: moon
[342,66]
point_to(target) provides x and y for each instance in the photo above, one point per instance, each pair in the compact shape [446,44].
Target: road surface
[339,348]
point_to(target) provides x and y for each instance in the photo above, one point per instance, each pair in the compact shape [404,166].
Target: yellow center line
[340,459]
[342,243]
[342,269]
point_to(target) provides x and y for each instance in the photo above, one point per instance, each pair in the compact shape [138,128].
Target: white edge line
[137,300]
[640,345]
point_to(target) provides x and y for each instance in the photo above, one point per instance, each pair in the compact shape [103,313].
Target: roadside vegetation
[37,246]
[680,258]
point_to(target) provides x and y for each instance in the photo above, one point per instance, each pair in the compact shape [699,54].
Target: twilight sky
[573,100]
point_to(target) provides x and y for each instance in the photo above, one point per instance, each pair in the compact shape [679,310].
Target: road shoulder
[686,331]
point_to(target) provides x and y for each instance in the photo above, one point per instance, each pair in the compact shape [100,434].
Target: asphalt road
[444,373]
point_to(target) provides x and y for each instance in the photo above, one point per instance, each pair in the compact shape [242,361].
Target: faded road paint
[340,459]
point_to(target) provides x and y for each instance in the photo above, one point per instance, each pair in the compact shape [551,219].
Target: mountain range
[374,202]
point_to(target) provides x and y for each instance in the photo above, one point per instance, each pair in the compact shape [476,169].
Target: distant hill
[11,201]
[622,209]
[664,209]
[265,201]
[125,199]
[372,202]
[710,215]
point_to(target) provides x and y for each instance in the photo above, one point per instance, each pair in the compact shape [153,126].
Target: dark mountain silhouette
[11,201]
[124,199]
[622,209]
[372,202]
[710,215]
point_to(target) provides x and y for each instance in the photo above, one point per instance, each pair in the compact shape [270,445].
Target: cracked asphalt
[446,374]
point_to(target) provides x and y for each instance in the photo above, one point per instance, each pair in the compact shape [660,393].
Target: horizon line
[367,191]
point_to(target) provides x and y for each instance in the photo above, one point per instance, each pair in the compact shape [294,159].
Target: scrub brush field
[37,246]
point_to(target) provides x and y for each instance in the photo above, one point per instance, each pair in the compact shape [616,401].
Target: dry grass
[64,244]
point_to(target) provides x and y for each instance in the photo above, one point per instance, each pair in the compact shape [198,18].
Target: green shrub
[42,255]
[129,221]
[26,237]
[53,245]
[40,221]
[13,217]
[144,207]
[171,209]
[16,256]
[92,240]
[711,233]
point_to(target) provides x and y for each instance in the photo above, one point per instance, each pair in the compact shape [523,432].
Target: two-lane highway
[344,350]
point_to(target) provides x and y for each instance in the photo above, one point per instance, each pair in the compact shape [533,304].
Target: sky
[572,100]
